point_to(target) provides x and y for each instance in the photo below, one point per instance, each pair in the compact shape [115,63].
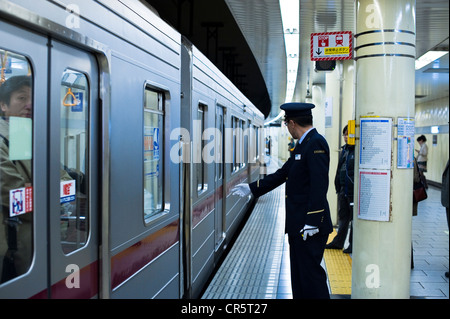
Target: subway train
[115,175]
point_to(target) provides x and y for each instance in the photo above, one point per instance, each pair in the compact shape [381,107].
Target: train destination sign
[328,46]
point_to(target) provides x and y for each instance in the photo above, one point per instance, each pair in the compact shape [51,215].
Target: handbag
[419,192]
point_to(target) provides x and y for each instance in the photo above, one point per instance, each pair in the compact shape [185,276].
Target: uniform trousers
[308,278]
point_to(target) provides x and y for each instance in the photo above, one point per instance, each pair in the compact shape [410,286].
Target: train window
[16,169]
[153,153]
[74,139]
[199,147]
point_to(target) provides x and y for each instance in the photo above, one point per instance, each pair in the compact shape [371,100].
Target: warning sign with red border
[328,46]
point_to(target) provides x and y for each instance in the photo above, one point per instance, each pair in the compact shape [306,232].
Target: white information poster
[374,194]
[376,143]
[405,145]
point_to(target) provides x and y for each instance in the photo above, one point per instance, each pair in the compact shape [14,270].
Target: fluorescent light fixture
[290,19]
[429,57]
[290,15]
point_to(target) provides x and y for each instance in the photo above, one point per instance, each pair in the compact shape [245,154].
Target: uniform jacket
[306,176]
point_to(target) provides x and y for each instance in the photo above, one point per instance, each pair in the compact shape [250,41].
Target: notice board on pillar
[375,155]
[405,142]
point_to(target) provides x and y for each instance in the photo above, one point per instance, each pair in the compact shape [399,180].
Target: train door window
[234,124]
[247,137]
[153,154]
[240,147]
[16,165]
[251,139]
[199,147]
[220,151]
[257,144]
[74,141]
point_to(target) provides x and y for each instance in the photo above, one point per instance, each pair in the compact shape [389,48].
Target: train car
[223,124]
[103,191]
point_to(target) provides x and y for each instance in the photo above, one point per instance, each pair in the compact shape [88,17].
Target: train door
[23,161]
[48,167]
[74,193]
[218,177]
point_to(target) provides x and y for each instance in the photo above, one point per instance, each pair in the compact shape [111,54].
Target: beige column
[384,54]
[339,93]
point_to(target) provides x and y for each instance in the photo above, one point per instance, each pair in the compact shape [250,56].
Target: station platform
[257,266]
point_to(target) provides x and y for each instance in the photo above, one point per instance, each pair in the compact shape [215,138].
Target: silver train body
[157,214]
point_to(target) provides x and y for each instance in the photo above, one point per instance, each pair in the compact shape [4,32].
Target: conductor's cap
[296,109]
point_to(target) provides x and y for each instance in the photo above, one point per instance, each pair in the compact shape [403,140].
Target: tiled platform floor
[430,238]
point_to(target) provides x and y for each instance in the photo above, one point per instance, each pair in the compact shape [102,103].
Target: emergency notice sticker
[67,191]
[20,201]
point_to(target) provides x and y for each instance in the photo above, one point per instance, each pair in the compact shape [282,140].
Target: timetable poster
[374,194]
[376,143]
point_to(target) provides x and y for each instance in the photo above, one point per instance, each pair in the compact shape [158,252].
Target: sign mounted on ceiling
[331,46]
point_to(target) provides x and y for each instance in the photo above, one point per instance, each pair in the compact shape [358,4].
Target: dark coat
[306,177]
[345,171]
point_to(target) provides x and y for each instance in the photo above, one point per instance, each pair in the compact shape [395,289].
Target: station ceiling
[245,40]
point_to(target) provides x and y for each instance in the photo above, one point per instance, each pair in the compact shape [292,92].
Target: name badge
[298,157]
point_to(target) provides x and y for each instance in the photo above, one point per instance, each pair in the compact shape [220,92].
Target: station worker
[308,221]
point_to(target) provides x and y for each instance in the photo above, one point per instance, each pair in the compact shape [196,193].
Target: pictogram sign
[331,46]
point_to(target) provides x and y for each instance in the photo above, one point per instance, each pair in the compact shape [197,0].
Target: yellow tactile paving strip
[339,269]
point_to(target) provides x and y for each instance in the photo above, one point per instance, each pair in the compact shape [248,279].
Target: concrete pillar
[384,54]
[318,99]
[340,95]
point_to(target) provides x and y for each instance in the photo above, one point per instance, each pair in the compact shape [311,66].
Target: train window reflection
[16,170]
[74,139]
[153,153]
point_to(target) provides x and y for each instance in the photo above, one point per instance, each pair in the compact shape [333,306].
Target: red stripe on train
[88,286]
[131,260]
[123,265]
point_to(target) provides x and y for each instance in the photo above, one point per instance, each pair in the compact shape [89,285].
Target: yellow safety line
[339,269]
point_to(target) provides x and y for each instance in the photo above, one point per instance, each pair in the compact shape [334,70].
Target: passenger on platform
[444,196]
[291,146]
[343,182]
[422,155]
[268,142]
[417,180]
[308,221]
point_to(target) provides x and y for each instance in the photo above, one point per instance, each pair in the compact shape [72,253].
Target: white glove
[308,231]
[241,190]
